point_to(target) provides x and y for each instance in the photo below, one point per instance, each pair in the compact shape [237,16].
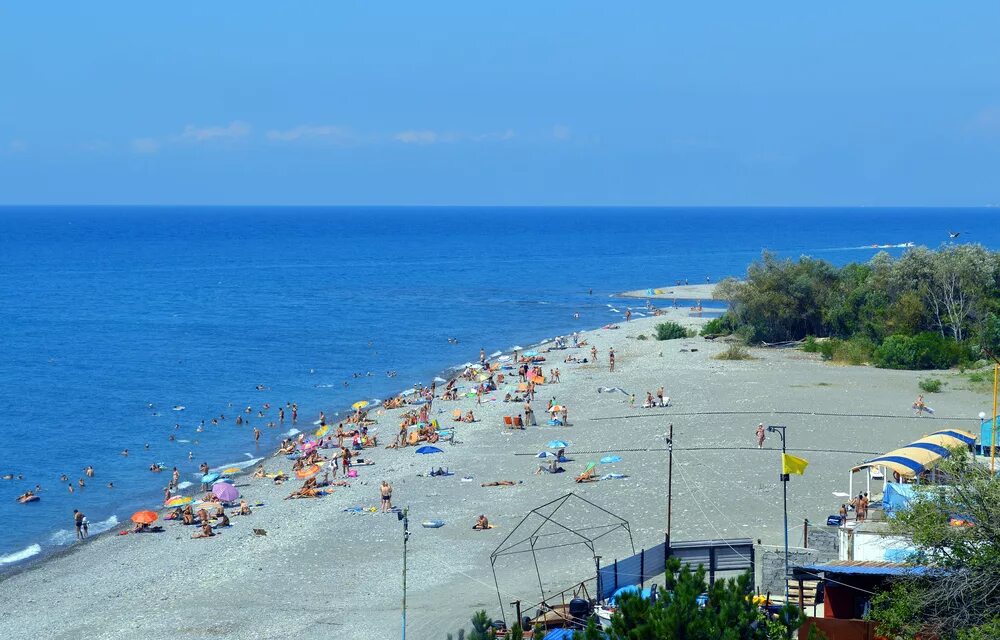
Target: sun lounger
[508,421]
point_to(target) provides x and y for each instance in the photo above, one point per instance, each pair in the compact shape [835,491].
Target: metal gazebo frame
[535,540]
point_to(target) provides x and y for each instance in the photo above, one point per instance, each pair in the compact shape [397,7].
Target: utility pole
[406,536]
[670,485]
[780,430]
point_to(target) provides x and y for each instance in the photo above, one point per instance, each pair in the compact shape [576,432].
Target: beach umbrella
[144,517]
[530,354]
[209,478]
[360,404]
[610,459]
[179,501]
[225,492]
[231,470]
[483,377]
[545,454]
[309,445]
[440,380]
[322,431]
[307,472]
[557,444]
[555,408]
[428,449]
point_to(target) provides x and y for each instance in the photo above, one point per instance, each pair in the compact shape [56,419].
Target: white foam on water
[184,485]
[103,525]
[184,441]
[239,465]
[23,554]
[292,432]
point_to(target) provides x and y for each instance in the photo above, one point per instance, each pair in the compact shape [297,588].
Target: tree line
[927,309]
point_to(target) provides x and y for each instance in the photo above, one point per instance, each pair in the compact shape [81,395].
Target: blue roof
[559,634]
[868,568]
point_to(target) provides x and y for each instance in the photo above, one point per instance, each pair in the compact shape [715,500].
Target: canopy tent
[985,437]
[897,496]
[916,457]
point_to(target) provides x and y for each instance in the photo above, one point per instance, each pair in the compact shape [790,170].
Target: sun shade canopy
[916,457]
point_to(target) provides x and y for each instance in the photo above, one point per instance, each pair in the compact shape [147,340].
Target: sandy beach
[322,572]
[681,292]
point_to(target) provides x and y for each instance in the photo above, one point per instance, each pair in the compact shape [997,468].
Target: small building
[848,587]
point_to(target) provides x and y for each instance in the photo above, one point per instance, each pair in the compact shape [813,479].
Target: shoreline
[49,552]
[679,292]
[318,566]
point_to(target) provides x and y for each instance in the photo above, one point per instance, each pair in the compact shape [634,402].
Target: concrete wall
[770,570]
[825,540]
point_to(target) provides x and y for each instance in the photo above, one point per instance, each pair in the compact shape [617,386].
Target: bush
[930,385]
[734,352]
[670,331]
[810,345]
[641,336]
[721,326]
[927,350]
[827,348]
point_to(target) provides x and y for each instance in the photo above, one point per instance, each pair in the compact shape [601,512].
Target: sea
[123,326]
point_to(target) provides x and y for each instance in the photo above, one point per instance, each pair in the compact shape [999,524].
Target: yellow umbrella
[322,431]
[231,470]
[360,404]
[178,501]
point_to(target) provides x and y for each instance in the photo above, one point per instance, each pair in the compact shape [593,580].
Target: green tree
[728,614]
[481,627]
[956,597]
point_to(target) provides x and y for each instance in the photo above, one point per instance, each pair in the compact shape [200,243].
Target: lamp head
[771,429]
[982,415]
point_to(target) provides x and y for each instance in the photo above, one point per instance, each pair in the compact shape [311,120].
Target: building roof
[911,460]
[867,567]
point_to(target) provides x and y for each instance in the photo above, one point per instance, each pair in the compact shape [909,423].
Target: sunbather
[206,531]
[481,523]
[501,483]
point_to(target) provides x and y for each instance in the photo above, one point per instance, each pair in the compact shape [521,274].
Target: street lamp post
[780,430]
[406,536]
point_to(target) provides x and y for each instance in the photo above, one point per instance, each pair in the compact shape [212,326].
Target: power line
[644,450]
[883,416]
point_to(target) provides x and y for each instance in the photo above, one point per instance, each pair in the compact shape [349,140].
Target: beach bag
[352,473]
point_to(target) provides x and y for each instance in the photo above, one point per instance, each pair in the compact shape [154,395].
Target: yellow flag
[791,464]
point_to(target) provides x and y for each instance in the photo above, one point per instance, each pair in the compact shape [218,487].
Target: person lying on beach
[481,523]
[307,490]
[551,467]
[206,531]
[501,483]
[243,510]
[586,476]
[279,478]
[222,521]
[259,472]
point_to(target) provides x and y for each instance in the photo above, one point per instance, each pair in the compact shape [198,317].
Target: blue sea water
[111,317]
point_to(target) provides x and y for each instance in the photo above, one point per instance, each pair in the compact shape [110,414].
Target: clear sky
[895,102]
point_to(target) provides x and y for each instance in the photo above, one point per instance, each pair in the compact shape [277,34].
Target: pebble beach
[321,571]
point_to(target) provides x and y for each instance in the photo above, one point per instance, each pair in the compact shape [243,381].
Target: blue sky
[489,103]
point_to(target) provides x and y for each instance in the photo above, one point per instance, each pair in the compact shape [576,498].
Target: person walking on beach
[482,356]
[256,436]
[529,415]
[386,491]
[760,435]
[659,396]
[593,353]
[628,315]
[611,359]
[78,519]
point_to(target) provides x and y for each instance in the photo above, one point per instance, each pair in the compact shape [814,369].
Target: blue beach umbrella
[610,459]
[557,444]
[545,454]
[530,354]
[209,478]
[428,449]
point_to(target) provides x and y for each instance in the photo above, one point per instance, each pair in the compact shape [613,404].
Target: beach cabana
[915,458]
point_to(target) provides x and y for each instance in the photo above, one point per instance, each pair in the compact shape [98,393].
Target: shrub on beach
[927,350]
[670,331]
[930,385]
[734,352]
[721,326]
[810,345]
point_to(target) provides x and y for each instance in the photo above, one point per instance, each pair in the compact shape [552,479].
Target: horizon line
[493,206]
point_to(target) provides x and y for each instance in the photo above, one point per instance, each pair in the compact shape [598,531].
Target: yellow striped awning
[914,458]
